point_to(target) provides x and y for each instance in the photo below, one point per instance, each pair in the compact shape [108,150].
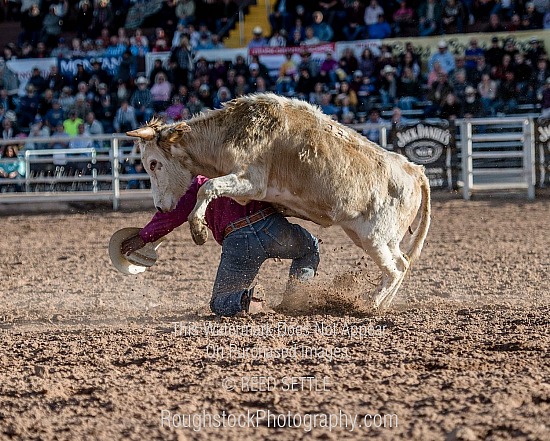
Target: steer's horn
[146,133]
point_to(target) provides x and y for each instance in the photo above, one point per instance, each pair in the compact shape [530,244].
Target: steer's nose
[158,209]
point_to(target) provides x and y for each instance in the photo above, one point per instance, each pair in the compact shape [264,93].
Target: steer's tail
[419,235]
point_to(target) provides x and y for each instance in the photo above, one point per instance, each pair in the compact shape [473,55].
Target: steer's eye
[153,165]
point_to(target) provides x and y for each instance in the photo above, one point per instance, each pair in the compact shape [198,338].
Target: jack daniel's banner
[428,144]
[542,151]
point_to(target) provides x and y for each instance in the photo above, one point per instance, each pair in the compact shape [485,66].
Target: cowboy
[249,234]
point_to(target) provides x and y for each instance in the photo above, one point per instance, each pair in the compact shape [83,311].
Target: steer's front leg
[232,186]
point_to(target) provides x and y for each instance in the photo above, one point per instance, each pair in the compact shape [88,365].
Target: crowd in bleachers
[370,87]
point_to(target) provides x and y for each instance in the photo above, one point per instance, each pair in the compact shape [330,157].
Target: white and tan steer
[285,151]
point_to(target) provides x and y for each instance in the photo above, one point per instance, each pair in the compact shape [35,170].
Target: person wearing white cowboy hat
[142,101]
[258,39]
[248,234]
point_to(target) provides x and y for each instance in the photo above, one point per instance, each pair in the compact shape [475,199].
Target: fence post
[529,156]
[115,168]
[467,162]
[27,172]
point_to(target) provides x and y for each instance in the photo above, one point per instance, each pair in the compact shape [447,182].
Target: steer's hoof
[199,233]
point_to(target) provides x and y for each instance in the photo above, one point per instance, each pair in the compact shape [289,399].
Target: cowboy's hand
[132,244]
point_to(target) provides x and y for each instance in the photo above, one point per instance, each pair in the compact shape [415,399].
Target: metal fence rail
[99,173]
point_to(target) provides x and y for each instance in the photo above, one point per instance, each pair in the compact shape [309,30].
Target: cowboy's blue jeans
[244,251]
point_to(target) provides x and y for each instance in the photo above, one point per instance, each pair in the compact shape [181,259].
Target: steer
[287,152]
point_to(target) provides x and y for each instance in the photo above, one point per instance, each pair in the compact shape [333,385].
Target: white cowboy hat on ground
[138,261]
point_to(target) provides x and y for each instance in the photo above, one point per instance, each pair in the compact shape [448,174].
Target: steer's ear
[173,134]
[146,133]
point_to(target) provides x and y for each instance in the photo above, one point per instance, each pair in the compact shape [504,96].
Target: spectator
[374,123]
[93,126]
[85,19]
[388,86]
[409,91]
[258,39]
[45,102]
[459,83]
[403,18]
[70,125]
[429,17]
[103,18]
[101,74]
[9,129]
[451,108]
[327,107]
[161,92]
[471,54]
[329,66]
[535,52]
[355,28]
[182,56]
[59,159]
[379,30]
[507,94]
[115,48]
[494,54]
[310,38]
[54,116]
[437,94]
[348,62]
[277,39]
[80,76]
[78,163]
[372,12]
[523,74]
[28,106]
[11,167]
[538,77]
[81,106]
[194,104]
[38,129]
[499,72]
[365,95]
[142,101]
[366,63]
[453,17]
[228,10]
[222,96]
[443,57]
[103,107]
[408,61]
[173,112]
[297,32]
[206,97]
[322,30]
[315,97]
[125,118]
[533,17]
[37,80]
[494,25]
[31,23]
[471,105]
[307,62]
[51,28]
[281,16]
[345,91]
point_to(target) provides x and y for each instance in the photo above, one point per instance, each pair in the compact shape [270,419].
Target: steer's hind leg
[402,265]
[232,186]
[393,266]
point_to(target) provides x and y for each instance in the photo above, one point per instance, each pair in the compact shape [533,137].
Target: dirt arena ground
[464,353]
